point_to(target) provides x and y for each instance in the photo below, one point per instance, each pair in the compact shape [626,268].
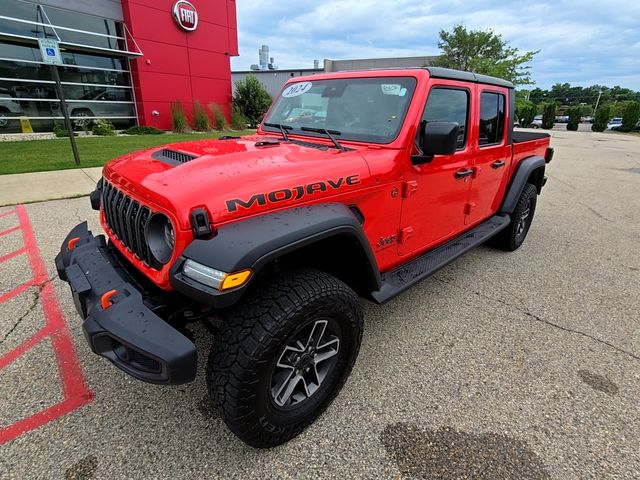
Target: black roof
[450,74]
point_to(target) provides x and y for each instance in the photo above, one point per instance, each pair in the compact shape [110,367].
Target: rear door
[492,154]
[435,197]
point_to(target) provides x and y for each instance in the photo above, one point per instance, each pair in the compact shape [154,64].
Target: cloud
[580,42]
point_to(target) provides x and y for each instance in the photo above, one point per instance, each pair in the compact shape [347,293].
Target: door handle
[464,173]
[498,164]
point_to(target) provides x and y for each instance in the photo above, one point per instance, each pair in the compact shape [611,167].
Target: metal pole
[65,112]
[597,103]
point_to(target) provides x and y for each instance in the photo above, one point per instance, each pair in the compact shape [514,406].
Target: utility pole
[597,102]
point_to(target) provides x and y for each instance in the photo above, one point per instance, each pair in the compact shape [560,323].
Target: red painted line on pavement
[75,391]
[16,291]
[11,230]
[8,212]
[9,256]
[24,347]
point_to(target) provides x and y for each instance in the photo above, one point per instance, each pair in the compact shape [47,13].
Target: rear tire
[283,354]
[513,236]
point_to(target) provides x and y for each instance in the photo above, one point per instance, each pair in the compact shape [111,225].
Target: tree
[549,115]
[485,52]
[630,117]
[251,99]
[601,118]
[525,112]
[575,113]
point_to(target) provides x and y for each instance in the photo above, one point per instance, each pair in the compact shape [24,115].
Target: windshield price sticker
[297,89]
[393,89]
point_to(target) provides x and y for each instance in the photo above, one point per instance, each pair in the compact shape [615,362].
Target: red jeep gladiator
[357,184]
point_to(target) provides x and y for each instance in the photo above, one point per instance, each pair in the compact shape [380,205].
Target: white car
[8,108]
[615,123]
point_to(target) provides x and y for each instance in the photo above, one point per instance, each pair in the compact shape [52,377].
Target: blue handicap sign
[51,52]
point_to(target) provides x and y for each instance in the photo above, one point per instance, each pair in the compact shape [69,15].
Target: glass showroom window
[95,76]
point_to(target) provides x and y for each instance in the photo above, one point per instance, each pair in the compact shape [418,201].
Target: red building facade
[180,62]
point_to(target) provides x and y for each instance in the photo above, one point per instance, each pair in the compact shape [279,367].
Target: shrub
[630,117]
[238,120]
[102,127]
[218,116]
[525,113]
[200,118]
[143,130]
[601,118]
[549,115]
[179,122]
[575,114]
[60,130]
[251,99]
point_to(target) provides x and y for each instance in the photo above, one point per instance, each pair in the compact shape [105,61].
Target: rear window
[492,118]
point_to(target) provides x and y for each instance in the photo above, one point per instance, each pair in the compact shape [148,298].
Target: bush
[251,99]
[575,114]
[200,118]
[525,113]
[143,130]
[601,118]
[102,127]
[179,122]
[549,115]
[60,131]
[630,117]
[238,121]
[218,116]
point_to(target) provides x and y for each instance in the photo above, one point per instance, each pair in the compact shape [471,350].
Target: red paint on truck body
[438,208]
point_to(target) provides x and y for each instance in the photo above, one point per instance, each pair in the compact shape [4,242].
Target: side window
[449,105]
[491,118]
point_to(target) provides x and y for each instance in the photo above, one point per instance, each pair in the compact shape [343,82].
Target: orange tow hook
[71,244]
[105,300]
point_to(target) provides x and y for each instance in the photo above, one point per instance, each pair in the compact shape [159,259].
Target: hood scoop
[173,157]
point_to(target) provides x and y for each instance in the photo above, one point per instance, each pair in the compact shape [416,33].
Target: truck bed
[519,136]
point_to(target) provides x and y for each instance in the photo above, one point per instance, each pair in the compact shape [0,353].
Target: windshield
[361,109]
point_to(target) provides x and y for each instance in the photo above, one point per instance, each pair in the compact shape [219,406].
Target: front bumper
[126,332]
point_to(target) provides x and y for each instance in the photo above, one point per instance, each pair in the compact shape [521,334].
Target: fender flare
[256,241]
[519,179]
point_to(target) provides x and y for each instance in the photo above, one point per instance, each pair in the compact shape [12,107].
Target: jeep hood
[235,178]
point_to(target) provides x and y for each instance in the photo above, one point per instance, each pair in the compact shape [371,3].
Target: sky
[580,42]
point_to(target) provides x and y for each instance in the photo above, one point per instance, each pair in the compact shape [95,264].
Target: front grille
[172,157]
[127,219]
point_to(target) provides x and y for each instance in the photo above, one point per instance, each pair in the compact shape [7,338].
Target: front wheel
[512,237]
[283,355]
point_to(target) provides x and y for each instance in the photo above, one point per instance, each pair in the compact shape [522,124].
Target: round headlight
[161,238]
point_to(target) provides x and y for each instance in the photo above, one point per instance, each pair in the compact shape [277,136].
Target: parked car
[562,119]
[98,104]
[9,107]
[537,122]
[615,123]
[276,236]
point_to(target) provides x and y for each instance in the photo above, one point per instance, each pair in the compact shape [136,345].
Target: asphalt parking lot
[521,365]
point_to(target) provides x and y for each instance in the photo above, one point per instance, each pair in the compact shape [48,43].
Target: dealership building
[124,60]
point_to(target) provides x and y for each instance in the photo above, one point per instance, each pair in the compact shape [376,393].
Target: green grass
[45,155]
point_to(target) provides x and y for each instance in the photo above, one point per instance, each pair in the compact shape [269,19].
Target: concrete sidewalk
[41,186]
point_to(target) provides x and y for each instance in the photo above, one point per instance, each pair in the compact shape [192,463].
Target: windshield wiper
[282,128]
[328,133]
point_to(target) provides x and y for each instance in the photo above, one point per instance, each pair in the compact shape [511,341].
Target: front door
[436,192]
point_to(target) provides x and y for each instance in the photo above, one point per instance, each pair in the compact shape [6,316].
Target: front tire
[513,236]
[283,354]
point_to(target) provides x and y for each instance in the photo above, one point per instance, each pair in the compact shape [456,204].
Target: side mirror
[437,138]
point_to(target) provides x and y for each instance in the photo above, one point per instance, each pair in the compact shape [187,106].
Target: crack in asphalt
[31,308]
[528,313]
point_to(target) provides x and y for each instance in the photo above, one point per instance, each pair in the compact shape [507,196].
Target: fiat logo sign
[185,15]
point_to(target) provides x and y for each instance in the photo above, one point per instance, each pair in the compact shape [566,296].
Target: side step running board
[398,280]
